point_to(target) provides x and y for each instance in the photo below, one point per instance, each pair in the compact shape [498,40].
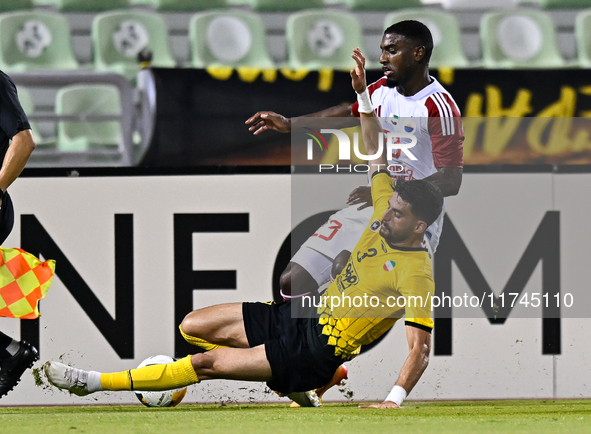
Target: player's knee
[285,280]
[339,263]
[300,280]
[190,325]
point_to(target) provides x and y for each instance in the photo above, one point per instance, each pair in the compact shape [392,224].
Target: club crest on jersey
[347,277]
[375,225]
[389,265]
[409,127]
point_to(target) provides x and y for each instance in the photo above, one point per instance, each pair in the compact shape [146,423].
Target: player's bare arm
[370,127]
[16,157]
[448,179]
[268,120]
[419,345]
[361,195]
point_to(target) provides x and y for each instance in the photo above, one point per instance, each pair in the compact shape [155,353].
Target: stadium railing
[123,156]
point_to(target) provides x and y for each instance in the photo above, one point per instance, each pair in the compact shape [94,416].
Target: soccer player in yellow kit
[388,276]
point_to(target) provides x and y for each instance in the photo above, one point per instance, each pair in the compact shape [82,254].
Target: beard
[395,237]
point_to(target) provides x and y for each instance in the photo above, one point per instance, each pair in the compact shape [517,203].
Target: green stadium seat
[119,36]
[86,5]
[35,41]
[26,101]
[284,5]
[564,4]
[583,37]
[478,4]
[14,5]
[186,5]
[382,5]
[519,39]
[447,39]
[228,38]
[88,99]
[322,39]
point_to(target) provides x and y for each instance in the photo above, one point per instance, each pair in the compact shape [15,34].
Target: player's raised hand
[385,404]
[358,73]
[263,121]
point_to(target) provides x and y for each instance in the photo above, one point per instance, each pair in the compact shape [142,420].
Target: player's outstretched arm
[448,179]
[419,343]
[361,195]
[268,120]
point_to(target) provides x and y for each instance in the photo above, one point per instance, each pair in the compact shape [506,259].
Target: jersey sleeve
[382,188]
[371,89]
[417,291]
[12,116]
[446,131]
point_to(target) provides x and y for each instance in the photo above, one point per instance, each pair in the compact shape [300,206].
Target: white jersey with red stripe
[432,116]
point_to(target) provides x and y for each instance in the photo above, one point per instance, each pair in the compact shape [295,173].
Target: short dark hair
[415,31]
[424,197]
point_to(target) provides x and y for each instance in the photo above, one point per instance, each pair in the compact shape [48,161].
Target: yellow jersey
[380,284]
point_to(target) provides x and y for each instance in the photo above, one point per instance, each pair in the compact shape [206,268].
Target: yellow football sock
[153,377]
[202,343]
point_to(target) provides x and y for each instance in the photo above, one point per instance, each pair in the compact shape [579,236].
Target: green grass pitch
[523,416]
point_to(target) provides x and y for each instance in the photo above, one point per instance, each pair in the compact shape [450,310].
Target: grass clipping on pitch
[526,416]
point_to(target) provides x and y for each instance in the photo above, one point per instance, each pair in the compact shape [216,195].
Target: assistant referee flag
[24,280]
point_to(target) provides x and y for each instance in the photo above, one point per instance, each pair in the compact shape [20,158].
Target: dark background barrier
[200,114]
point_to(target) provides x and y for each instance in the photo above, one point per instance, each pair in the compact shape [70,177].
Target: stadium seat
[284,5]
[119,36]
[88,99]
[322,39]
[519,39]
[564,4]
[28,106]
[447,40]
[13,5]
[35,41]
[478,4]
[86,5]
[228,38]
[186,5]
[583,37]
[382,5]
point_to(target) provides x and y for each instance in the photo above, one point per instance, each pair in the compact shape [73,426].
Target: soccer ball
[163,398]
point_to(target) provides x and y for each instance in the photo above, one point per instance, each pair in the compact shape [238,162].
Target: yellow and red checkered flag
[24,280]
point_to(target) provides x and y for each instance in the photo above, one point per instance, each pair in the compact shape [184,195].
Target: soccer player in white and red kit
[406,99]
